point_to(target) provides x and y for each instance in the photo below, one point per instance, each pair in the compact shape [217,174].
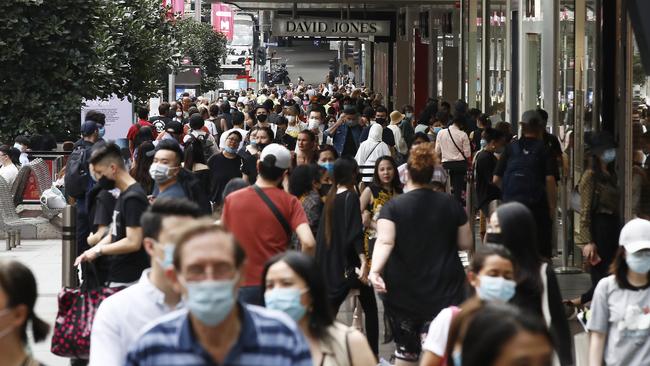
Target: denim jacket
[339,135]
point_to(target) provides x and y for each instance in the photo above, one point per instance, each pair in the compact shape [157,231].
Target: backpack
[76,172]
[524,177]
[208,145]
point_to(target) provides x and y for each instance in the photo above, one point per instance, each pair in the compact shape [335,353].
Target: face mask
[210,301]
[261,117]
[496,288]
[408,114]
[106,183]
[456,357]
[483,143]
[18,146]
[7,330]
[329,166]
[230,150]
[252,142]
[291,119]
[159,173]
[286,300]
[639,263]
[609,155]
[102,131]
[179,114]
[381,121]
[352,122]
[437,129]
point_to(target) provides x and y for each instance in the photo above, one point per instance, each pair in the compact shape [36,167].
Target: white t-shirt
[211,127]
[436,340]
[9,173]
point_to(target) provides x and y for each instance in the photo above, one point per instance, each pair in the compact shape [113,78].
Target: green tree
[205,47]
[55,53]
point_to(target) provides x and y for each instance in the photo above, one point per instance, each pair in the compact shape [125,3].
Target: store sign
[330,28]
[222,19]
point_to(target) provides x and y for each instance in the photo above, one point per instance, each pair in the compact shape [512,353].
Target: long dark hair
[519,235]
[345,174]
[619,269]
[395,184]
[492,328]
[193,153]
[302,179]
[140,170]
[19,285]
[320,316]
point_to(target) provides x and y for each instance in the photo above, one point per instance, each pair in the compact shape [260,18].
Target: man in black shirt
[526,173]
[160,122]
[485,164]
[127,256]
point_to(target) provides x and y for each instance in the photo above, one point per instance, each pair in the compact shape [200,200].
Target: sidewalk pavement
[43,257]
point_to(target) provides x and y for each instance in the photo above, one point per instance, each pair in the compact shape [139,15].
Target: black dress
[222,170]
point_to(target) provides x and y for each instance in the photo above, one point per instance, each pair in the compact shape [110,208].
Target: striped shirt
[267,338]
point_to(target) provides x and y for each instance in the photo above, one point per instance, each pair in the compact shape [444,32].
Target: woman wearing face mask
[513,226]
[8,161]
[294,125]
[327,155]
[599,218]
[620,323]
[294,284]
[17,298]
[225,166]
[491,276]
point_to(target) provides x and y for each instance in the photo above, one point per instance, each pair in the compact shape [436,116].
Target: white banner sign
[328,27]
[119,115]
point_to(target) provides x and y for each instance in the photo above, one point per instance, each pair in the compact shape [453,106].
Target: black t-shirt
[130,206]
[104,206]
[222,170]
[424,274]
[349,146]
[486,162]
[159,123]
[553,148]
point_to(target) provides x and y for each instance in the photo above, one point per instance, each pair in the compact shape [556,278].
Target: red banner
[221,18]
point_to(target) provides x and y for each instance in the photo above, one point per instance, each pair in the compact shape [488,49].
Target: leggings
[369,306]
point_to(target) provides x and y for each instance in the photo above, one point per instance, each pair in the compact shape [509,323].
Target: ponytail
[40,328]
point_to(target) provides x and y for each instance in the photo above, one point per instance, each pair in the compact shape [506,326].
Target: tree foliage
[205,48]
[56,52]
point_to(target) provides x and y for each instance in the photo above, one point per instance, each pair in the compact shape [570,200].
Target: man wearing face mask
[261,116]
[346,132]
[381,117]
[406,126]
[120,318]
[165,169]
[215,328]
[124,244]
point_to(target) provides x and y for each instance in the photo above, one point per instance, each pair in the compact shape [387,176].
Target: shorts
[408,333]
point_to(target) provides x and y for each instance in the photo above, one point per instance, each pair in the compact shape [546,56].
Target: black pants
[605,230]
[457,173]
[369,306]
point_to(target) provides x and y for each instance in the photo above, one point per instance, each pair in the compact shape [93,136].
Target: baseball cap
[277,156]
[532,117]
[635,235]
[174,127]
[88,128]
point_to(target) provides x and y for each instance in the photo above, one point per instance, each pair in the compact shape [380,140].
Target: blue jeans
[251,295]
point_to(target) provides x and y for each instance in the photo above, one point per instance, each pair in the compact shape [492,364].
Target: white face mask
[291,119]
[179,113]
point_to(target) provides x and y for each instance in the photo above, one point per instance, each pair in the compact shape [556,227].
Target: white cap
[635,235]
[280,156]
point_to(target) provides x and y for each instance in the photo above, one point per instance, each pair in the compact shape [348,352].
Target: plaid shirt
[267,338]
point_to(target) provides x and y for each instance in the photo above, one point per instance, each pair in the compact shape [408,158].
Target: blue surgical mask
[456,357]
[483,143]
[496,288]
[168,258]
[638,262]
[102,131]
[437,129]
[230,150]
[286,300]
[608,155]
[329,166]
[210,301]
[252,142]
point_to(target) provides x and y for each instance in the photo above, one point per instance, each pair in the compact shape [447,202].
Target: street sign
[270,44]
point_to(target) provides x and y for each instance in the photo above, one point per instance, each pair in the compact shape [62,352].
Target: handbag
[74,319]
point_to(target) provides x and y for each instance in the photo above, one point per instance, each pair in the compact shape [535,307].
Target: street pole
[197,10]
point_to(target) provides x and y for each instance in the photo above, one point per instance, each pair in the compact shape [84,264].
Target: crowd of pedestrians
[233,231]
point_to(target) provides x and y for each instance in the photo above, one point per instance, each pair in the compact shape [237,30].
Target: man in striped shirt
[215,329]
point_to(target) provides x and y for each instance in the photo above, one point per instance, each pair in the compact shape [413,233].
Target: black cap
[599,142]
[349,109]
[532,118]
[174,127]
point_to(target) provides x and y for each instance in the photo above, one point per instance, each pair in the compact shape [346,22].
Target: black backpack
[77,174]
[524,179]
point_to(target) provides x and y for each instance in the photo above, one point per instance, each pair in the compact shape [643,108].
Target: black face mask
[106,183]
[495,238]
[381,121]
[261,117]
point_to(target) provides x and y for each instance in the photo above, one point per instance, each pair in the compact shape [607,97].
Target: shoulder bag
[274,209]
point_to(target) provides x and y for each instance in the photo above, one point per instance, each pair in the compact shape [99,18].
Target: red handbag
[74,320]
